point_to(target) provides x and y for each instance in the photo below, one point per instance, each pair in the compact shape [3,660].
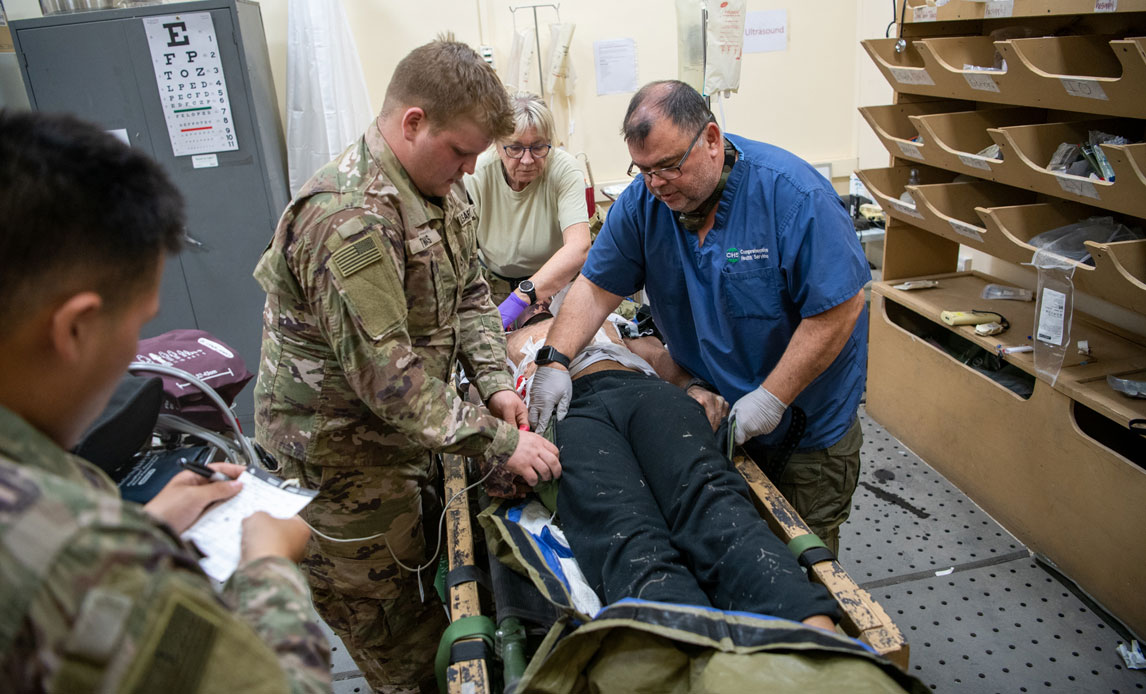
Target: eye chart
[192,87]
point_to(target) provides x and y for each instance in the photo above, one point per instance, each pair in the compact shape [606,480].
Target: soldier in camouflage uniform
[374,293]
[99,593]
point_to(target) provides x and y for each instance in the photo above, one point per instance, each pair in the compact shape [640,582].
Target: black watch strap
[527,288]
[549,355]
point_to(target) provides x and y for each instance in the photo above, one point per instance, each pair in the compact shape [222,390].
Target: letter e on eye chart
[192,87]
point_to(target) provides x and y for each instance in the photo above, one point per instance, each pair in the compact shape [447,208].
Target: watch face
[525,286]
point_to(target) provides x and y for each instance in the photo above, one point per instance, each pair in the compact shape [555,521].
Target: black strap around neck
[693,221]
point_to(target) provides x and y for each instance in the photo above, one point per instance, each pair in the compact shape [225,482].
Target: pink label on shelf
[1105,5]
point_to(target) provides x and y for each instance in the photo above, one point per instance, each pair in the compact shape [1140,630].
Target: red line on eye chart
[191,130]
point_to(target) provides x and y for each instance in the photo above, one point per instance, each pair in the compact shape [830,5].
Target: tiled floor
[980,614]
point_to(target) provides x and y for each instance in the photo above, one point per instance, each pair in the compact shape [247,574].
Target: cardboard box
[6,40]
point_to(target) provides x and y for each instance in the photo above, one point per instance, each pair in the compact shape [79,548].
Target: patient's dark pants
[653,510]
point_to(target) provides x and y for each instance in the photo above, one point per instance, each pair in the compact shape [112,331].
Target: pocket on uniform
[752,293]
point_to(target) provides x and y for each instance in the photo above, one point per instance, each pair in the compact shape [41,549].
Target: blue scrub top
[782,248]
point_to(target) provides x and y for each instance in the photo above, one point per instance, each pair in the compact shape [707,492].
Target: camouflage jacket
[373,295]
[95,595]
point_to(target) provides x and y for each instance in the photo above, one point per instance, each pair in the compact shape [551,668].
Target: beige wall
[803,99]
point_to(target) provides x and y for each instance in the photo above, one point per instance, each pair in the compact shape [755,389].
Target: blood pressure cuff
[208,359]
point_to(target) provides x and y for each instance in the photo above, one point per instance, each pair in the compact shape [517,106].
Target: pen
[203,471]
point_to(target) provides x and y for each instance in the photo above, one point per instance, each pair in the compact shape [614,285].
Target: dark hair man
[99,593]
[374,293]
[755,277]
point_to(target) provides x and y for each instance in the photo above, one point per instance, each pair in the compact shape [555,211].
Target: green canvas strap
[464,628]
[809,549]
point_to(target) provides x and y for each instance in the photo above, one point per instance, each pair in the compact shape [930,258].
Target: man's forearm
[816,343]
[584,309]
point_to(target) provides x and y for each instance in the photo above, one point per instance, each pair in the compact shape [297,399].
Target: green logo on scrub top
[732,255]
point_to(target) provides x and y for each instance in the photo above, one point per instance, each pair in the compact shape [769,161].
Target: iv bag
[557,77]
[690,43]
[521,56]
[725,40]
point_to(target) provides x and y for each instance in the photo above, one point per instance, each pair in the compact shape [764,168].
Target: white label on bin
[911,75]
[1051,316]
[977,80]
[975,162]
[999,8]
[925,13]
[964,229]
[908,149]
[204,161]
[1105,5]
[1077,185]
[904,208]
[1088,89]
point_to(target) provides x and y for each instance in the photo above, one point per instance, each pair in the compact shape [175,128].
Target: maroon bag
[208,359]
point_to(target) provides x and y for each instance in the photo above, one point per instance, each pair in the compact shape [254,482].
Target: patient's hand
[715,407]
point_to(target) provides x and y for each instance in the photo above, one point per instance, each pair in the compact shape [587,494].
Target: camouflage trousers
[375,606]
[820,484]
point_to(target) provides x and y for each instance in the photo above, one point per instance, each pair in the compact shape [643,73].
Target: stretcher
[466,661]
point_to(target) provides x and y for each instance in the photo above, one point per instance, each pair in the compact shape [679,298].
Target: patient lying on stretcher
[650,506]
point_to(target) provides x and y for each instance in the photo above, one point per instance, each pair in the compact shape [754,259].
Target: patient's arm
[653,351]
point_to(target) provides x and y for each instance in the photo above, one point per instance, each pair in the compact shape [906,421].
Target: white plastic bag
[327,104]
[1070,241]
[1054,313]
[725,44]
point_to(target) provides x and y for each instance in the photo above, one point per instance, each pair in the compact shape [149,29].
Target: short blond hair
[530,111]
[448,80]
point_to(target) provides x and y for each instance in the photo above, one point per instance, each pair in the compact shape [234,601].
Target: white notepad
[218,532]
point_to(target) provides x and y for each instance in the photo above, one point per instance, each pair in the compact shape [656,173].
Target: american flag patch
[360,254]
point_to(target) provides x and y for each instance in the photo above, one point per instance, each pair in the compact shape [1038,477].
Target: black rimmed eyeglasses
[669,172]
[518,151]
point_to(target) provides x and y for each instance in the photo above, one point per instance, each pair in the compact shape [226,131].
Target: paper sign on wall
[192,86]
[616,62]
[766,31]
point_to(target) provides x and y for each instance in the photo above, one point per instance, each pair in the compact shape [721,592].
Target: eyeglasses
[518,151]
[671,172]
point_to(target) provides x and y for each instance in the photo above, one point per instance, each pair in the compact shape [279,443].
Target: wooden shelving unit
[1061,469]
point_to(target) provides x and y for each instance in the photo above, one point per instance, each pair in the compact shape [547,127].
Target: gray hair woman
[533,226]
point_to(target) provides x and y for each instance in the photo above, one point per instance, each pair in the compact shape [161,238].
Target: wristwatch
[527,288]
[548,355]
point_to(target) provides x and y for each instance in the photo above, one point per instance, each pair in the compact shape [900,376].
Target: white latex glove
[551,391]
[758,412]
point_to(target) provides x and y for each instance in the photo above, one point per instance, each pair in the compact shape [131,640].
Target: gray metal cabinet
[97,65]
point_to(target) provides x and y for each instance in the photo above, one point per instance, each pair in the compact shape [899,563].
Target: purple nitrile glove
[510,309]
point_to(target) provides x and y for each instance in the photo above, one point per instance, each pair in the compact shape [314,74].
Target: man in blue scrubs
[755,278]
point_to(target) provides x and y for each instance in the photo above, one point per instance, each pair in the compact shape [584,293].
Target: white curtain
[327,102]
